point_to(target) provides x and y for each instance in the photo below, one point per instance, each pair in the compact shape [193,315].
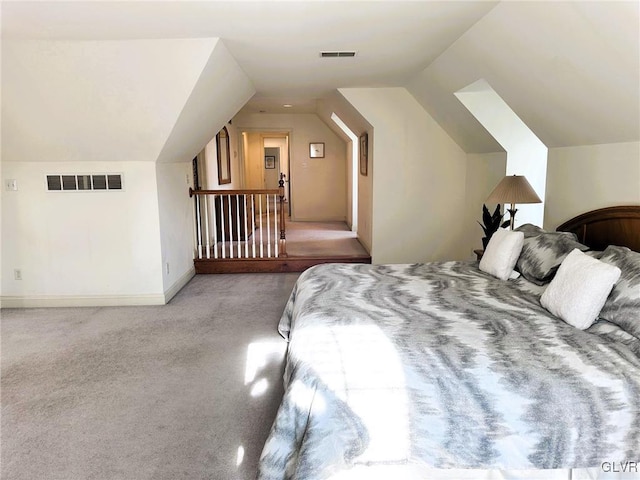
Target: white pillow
[502,253]
[578,291]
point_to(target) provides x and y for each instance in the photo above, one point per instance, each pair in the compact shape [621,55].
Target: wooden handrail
[273,191]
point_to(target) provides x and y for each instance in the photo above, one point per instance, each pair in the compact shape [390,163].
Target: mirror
[224,157]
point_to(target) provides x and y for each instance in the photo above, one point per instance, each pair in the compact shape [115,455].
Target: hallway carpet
[316,239]
[183,391]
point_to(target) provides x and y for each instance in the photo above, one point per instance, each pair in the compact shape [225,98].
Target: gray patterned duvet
[440,366]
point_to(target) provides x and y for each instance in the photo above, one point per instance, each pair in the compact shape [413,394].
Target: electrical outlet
[17,274]
[12,185]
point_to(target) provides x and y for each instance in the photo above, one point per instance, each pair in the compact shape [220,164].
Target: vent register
[337,54]
[84,182]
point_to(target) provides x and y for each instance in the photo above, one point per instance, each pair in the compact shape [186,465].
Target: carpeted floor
[315,239]
[183,391]
[304,239]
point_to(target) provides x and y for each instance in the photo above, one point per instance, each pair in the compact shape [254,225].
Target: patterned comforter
[441,366]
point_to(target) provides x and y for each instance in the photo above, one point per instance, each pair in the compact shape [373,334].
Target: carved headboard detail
[607,226]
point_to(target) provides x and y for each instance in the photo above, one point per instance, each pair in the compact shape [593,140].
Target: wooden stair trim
[271,265]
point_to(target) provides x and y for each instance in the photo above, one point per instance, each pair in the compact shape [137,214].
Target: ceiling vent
[337,54]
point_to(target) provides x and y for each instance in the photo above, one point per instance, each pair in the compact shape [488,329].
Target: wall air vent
[66,183]
[337,54]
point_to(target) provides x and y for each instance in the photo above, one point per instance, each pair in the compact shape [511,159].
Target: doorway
[266,155]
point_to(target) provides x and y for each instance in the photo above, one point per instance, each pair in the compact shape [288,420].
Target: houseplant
[491,223]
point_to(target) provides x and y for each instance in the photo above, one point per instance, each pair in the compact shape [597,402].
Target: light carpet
[183,391]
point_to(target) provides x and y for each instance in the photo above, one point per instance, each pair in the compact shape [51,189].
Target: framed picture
[269,161]
[316,150]
[364,154]
[224,157]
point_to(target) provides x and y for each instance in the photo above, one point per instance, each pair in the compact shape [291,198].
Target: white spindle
[238,222]
[215,229]
[246,230]
[261,244]
[253,225]
[275,225]
[195,227]
[198,220]
[268,229]
[230,228]
[206,224]
[224,233]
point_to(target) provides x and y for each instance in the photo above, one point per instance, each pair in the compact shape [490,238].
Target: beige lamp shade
[514,189]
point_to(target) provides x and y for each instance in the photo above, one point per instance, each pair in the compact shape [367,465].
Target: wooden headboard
[607,226]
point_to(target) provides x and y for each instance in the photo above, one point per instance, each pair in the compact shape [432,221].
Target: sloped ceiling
[222,89]
[125,100]
[570,71]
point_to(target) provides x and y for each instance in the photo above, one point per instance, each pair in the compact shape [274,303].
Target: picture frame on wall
[364,154]
[316,150]
[224,157]
[269,162]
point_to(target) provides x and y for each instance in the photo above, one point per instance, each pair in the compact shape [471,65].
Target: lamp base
[512,215]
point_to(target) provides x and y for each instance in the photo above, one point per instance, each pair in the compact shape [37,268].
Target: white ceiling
[571,70]
[277,44]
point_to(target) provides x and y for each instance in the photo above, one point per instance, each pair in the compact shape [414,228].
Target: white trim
[179,284]
[45,301]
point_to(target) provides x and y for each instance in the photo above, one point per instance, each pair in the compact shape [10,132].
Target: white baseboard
[46,301]
[179,284]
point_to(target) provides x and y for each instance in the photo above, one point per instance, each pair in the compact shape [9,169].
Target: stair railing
[236,224]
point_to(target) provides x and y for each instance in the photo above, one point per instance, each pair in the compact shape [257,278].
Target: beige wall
[484,171]
[82,247]
[580,179]
[419,179]
[176,224]
[209,163]
[253,168]
[143,108]
[358,124]
[318,185]
[365,197]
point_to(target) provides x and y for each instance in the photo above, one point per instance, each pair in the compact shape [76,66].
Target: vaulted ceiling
[570,70]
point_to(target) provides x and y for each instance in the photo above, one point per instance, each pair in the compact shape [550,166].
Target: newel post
[283,236]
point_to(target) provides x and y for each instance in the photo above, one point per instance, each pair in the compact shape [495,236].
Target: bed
[441,370]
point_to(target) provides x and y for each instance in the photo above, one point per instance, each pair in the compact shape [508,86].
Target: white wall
[484,172]
[221,90]
[419,179]
[584,178]
[351,151]
[81,248]
[104,106]
[318,185]
[338,105]
[176,225]
[210,159]
[365,194]
[96,100]
[526,154]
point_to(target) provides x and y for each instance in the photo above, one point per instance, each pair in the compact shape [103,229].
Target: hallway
[317,239]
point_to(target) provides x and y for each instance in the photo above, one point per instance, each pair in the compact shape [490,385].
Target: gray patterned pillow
[543,252]
[623,305]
